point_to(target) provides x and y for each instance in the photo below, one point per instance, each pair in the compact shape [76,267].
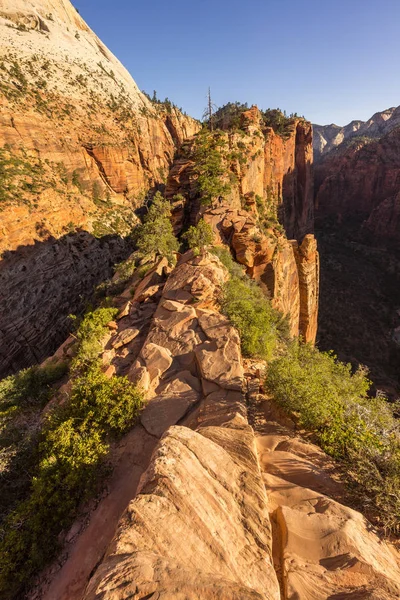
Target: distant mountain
[327,137]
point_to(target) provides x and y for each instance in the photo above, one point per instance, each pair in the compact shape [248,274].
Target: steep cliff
[80,146]
[357,184]
[268,179]
[91,143]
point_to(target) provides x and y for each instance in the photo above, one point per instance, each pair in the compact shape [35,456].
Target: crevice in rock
[277,552]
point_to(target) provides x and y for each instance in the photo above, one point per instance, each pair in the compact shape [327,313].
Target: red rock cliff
[353,181]
[91,143]
[272,177]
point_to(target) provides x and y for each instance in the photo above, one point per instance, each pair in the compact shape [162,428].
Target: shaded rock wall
[352,182]
[40,285]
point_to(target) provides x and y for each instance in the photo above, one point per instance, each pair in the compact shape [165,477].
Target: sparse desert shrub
[327,399]
[155,236]
[90,333]
[197,238]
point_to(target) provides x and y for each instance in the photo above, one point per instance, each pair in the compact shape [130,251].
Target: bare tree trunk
[210,115]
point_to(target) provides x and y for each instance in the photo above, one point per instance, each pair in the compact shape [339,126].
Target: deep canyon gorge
[170,424]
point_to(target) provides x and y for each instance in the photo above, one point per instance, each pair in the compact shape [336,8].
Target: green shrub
[209,165]
[155,236]
[90,333]
[200,236]
[259,325]
[29,387]
[22,397]
[125,269]
[330,401]
[73,445]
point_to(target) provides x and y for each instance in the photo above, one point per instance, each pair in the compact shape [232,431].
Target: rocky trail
[213,494]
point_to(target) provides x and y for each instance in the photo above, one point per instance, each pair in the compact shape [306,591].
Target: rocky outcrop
[324,549]
[289,272]
[329,137]
[224,509]
[272,177]
[307,260]
[276,169]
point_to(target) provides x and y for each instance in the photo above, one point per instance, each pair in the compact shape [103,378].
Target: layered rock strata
[289,271]
[40,285]
[277,169]
[272,178]
[80,146]
[76,117]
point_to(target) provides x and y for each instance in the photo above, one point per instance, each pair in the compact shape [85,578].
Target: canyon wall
[80,146]
[353,181]
[357,188]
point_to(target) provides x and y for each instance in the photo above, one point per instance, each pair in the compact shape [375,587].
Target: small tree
[198,237]
[156,235]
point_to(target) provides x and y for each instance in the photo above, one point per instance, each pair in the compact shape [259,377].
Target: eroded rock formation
[232,504]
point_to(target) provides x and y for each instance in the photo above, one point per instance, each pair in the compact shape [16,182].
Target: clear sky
[329,60]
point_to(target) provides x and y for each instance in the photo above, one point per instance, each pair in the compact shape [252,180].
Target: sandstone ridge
[231,503]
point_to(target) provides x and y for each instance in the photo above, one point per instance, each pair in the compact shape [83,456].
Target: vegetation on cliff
[155,235]
[260,326]
[331,401]
[198,237]
[324,397]
[209,165]
[68,460]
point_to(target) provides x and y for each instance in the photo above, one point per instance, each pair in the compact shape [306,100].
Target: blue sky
[330,60]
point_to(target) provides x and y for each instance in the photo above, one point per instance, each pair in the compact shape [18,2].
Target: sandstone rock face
[277,169]
[325,549]
[191,487]
[272,178]
[220,511]
[289,272]
[307,260]
[67,82]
